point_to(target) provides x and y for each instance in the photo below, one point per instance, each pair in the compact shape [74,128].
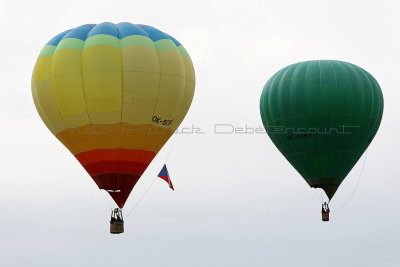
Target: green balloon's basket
[325,216]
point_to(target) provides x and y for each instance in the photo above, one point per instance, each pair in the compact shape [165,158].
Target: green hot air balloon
[322,115]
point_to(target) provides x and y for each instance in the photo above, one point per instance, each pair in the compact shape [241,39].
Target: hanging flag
[165,176]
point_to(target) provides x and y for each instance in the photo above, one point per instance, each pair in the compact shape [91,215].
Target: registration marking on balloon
[159,120]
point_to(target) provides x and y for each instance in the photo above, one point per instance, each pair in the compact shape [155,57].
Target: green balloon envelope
[322,115]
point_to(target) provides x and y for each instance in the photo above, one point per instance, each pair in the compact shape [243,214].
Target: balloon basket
[116,222]
[325,212]
[325,216]
[116,227]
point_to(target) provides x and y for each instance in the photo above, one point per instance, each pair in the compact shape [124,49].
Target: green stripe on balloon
[70,43]
[136,40]
[48,50]
[102,39]
[183,51]
[165,44]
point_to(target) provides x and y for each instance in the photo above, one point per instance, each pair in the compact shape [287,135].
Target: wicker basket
[116,227]
[325,216]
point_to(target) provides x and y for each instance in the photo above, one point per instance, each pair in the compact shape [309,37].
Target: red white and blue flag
[165,176]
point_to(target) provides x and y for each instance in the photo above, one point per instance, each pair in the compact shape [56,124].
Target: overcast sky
[237,202]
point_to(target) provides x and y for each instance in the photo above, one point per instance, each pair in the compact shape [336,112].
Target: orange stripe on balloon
[121,135]
[136,155]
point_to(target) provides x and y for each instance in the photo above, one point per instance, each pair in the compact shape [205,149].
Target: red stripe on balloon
[116,170]
[115,154]
[127,167]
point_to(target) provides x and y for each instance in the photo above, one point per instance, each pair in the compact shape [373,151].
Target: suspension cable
[154,180]
[355,188]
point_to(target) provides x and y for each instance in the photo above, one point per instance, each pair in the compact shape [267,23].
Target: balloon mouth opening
[329,189]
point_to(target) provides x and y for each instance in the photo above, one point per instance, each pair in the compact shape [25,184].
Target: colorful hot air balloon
[113,94]
[322,115]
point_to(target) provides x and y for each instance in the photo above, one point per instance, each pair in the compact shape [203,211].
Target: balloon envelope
[113,94]
[322,115]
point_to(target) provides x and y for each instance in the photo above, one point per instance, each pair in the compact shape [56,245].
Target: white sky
[238,202]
